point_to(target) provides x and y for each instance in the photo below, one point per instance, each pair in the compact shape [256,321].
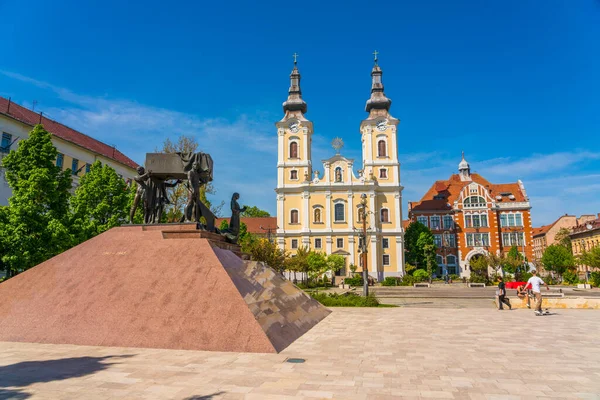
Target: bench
[584,286]
[422,284]
[552,294]
[473,284]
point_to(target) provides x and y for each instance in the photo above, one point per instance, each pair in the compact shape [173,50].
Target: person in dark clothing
[502,295]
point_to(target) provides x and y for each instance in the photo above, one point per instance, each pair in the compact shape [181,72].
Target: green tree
[413,253]
[298,262]
[426,245]
[557,258]
[269,253]
[562,238]
[479,269]
[100,202]
[317,264]
[591,258]
[35,222]
[513,261]
[496,262]
[253,211]
[224,225]
[246,239]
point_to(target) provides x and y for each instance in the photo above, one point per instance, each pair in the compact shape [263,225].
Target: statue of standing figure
[143,180]
[192,210]
[234,222]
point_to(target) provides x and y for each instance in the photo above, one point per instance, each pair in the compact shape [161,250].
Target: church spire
[294,101]
[378,101]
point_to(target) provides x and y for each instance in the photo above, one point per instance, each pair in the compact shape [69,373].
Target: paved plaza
[384,353]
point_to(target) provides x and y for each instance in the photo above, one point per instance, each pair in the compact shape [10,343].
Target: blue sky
[515,84]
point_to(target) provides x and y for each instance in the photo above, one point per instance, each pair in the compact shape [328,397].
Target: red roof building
[470,217]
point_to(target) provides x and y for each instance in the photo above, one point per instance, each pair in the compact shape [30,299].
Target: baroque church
[320,209]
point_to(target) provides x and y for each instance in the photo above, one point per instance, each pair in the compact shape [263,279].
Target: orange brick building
[471,217]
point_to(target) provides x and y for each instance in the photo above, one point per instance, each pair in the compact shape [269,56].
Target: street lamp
[582,250]
[363,211]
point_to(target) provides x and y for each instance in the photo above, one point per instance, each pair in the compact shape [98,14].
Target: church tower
[379,140]
[294,133]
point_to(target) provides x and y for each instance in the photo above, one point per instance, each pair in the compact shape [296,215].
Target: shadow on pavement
[26,373]
[205,397]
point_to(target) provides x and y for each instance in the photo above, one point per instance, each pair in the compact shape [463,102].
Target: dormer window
[474,202]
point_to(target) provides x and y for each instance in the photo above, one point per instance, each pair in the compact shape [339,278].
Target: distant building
[321,210]
[76,151]
[543,236]
[261,226]
[584,237]
[471,217]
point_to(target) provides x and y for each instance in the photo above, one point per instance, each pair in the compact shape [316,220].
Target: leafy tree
[269,253]
[513,261]
[224,225]
[100,202]
[34,226]
[299,262]
[246,239]
[562,238]
[591,258]
[479,269]
[414,254]
[496,262]
[426,244]
[335,262]
[317,264]
[253,211]
[558,258]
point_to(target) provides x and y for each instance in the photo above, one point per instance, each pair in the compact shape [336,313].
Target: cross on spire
[375,53]
[295,55]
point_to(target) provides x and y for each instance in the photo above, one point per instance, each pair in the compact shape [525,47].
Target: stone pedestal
[158,286]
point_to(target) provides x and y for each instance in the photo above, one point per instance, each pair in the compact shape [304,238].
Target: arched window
[338,174]
[451,259]
[381,151]
[474,201]
[339,214]
[385,215]
[317,215]
[293,149]
[439,259]
[294,217]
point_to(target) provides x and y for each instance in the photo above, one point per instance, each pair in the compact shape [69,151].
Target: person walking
[502,299]
[535,282]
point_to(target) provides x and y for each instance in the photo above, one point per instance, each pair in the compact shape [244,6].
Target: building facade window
[476,220]
[6,141]
[317,216]
[294,175]
[511,219]
[294,217]
[74,166]
[437,240]
[512,238]
[451,259]
[294,243]
[340,243]
[386,259]
[423,219]
[381,149]
[474,202]
[318,243]
[448,222]
[383,173]
[385,215]
[434,220]
[439,259]
[293,149]
[339,214]
[60,159]
[88,168]
[385,243]
[451,240]
[478,239]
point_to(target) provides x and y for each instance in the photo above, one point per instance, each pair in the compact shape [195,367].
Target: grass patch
[346,300]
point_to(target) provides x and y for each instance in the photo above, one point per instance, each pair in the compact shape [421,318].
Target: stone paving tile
[393,353]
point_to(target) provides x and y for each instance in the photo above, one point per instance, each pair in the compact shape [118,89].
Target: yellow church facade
[320,208]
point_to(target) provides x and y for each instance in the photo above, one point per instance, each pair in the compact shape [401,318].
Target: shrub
[392,281]
[550,280]
[524,276]
[356,280]
[420,275]
[477,278]
[454,277]
[570,278]
[408,280]
[595,279]
[346,300]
